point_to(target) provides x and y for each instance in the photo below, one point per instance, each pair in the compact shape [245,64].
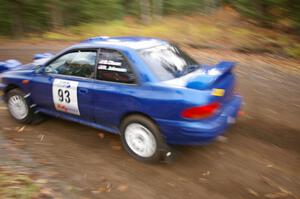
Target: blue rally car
[145,89]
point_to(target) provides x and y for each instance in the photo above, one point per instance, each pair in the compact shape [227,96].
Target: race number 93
[65,96]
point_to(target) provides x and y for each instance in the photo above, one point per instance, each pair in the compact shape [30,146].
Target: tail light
[198,112]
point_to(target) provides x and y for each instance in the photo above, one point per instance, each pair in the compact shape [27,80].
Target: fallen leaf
[203,180]
[171,184]
[251,191]
[222,139]
[281,194]
[13,187]
[52,173]
[20,130]
[122,188]
[116,147]
[268,181]
[101,135]
[20,144]
[41,181]
[95,192]
[69,188]
[276,195]
[18,139]
[46,192]
[207,173]
[7,129]
[182,179]
[284,190]
[41,137]
[105,188]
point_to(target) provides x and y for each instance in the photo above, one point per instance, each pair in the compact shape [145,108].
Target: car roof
[135,43]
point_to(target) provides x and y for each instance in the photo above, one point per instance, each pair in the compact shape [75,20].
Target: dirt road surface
[260,157]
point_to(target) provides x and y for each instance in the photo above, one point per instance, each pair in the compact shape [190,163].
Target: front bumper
[201,132]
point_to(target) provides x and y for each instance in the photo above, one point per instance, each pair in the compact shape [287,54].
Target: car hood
[15,65]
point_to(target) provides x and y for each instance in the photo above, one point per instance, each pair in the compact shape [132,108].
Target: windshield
[168,62]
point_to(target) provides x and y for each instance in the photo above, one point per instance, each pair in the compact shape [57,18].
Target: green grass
[293,51]
[172,29]
[14,185]
[196,30]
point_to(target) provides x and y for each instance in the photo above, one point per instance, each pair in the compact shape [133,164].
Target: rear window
[114,67]
[167,61]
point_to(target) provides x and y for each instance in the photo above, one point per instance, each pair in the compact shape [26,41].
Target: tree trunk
[145,11]
[17,15]
[55,14]
[158,9]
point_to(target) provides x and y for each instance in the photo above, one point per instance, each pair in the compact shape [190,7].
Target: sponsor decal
[110,62]
[218,92]
[64,94]
[112,68]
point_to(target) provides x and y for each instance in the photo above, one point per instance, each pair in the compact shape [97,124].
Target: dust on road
[259,159]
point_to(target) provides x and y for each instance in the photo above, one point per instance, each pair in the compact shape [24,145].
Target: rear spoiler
[224,67]
[210,74]
[9,64]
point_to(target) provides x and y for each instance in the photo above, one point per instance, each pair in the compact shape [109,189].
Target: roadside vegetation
[17,185]
[20,184]
[270,26]
[225,30]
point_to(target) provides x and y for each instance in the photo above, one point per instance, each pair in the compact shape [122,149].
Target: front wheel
[142,139]
[18,106]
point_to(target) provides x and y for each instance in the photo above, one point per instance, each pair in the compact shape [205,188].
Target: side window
[113,66]
[77,63]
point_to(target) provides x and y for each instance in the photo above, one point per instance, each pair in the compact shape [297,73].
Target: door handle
[83,90]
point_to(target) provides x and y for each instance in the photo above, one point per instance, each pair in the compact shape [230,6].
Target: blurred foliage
[293,51]
[18,17]
[271,26]
[270,12]
[17,186]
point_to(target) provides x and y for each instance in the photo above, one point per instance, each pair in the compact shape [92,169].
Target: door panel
[114,89]
[64,94]
[64,84]
[112,100]
[41,91]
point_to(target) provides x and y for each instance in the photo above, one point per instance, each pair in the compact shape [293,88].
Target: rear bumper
[201,132]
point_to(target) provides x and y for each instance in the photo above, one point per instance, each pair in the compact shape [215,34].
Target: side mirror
[39,69]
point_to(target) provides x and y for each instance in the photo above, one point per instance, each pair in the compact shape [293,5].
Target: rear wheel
[19,107]
[142,139]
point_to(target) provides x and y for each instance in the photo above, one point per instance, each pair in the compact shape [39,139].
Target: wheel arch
[137,113]
[8,88]
[162,150]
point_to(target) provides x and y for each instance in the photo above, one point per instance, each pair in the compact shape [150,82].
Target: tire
[19,107]
[139,133]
